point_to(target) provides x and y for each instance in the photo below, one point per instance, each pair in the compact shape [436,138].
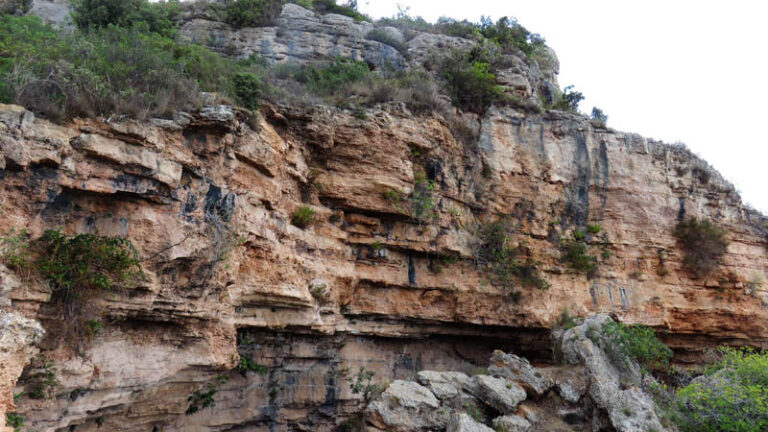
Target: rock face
[613,395]
[183,190]
[207,199]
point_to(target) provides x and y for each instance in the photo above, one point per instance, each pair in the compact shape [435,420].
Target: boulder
[444,385]
[407,406]
[511,423]
[520,371]
[464,423]
[498,393]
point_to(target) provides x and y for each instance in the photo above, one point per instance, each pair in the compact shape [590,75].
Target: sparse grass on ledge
[302,217]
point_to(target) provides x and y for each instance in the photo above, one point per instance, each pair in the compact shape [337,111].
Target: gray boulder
[511,423]
[444,385]
[407,406]
[628,407]
[498,393]
[520,371]
[462,422]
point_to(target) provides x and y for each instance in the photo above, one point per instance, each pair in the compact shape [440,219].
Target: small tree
[703,243]
[598,117]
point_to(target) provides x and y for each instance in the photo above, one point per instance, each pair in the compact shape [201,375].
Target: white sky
[675,70]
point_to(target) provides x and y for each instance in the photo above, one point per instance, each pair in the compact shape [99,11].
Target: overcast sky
[690,71]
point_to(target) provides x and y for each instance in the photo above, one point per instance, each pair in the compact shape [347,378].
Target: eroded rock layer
[207,201]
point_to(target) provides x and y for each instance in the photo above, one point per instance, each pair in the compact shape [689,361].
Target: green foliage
[201,399]
[16,421]
[246,365]
[637,342]
[302,217]
[81,262]
[565,321]
[732,398]
[93,327]
[507,33]
[500,261]
[598,117]
[422,198]
[105,71]
[40,380]
[470,83]
[703,243]
[14,250]
[382,36]
[574,253]
[594,228]
[569,100]
[157,17]
[473,411]
[329,78]
[348,9]
[248,13]
[248,89]
[18,7]
[364,385]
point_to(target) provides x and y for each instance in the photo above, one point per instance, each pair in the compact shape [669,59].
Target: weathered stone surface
[511,423]
[520,371]
[498,393]
[18,337]
[394,312]
[629,409]
[462,422]
[444,385]
[407,406]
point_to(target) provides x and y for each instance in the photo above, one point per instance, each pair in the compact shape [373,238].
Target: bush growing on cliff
[731,396]
[326,79]
[637,342]
[575,254]
[159,17]
[470,83]
[248,13]
[105,71]
[501,260]
[703,243]
[18,7]
[15,421]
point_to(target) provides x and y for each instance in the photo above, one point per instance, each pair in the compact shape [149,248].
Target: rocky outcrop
[208,185]
[613,398]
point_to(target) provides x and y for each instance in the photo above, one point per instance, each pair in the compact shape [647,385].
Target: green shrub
[246,365]
[14,250]
[249,13]
[157,17]
[200,399]
[18,7]
[507,33]
[364,385]
[248,89]
[82,262]
[330,6]
[382,36]
[501,261]
[569,100]
[16,421]
[637,342]
[329,78]
[574,253]
[302,217]
[40,380]
[470,84]
[422,200]
[594,228]
[598,117]
[103,72]
[703,243]
[731,397]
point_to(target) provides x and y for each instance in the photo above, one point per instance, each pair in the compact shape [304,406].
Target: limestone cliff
[207,200]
